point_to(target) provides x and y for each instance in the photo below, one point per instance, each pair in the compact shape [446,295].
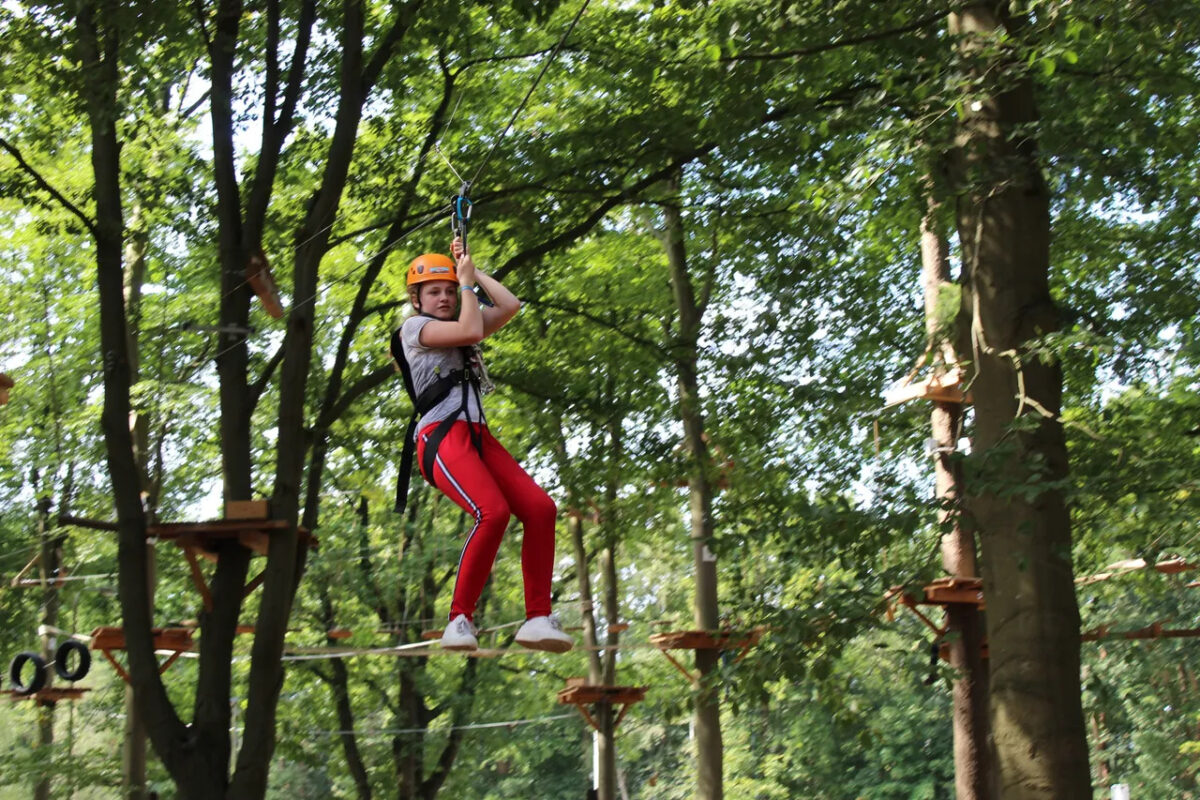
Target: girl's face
[439,298]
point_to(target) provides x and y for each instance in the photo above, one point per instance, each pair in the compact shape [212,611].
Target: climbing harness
[429,398]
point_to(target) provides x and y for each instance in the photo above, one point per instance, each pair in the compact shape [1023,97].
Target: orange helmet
[431,267]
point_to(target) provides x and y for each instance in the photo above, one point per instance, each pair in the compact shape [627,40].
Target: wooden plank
[25,570]
[946,387]
[50,695]
[258,275]
[198,579]
[254,583]
[247,509]
[1156,631]
[705,640]
[587,695]
[164,639]
[116,665]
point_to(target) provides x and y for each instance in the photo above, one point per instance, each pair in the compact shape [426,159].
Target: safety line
[545,65]
[512,723]
[433,217]
[65,578]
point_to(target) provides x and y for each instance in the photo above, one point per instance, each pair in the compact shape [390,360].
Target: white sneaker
[544,633]
[460,634]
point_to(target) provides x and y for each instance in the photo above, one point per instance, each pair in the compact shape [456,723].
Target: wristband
[463,287]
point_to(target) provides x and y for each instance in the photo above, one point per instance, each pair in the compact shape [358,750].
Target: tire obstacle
[34,687]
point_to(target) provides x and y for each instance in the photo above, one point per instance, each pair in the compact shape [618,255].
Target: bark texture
[972,755]
[1018,466]
[685,357]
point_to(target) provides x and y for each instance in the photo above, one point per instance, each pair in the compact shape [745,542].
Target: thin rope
[437,148]
[56,581]
[22,552]
[430,648]
[545,65]
[512,723]
[433,217]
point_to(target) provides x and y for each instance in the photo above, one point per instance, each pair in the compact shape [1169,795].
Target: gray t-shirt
[427,364]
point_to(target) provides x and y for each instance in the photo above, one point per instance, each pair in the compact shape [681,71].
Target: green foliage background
[808,131]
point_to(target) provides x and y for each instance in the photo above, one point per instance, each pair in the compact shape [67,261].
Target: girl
[457,452]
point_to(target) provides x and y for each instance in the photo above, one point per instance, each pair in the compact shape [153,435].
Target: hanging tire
[62,657]
[18,666]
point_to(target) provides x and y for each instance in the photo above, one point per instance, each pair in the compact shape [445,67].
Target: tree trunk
[709,751]
[98,48]
[339,684]
[285,559]
[1018,466]
[133,750]
[50,566]
[972,758]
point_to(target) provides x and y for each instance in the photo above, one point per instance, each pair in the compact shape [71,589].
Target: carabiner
[460,213]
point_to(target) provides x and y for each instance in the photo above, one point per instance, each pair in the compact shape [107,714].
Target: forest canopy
[722,219]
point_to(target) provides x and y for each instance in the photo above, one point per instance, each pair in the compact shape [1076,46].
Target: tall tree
[946,332]
[1018,464]
[692,293]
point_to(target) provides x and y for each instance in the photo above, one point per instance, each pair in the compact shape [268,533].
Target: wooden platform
[942,592]
[174,640]
[49,696]
[705,640]
[951,591]
[581,694]
[205,539]
[946,387]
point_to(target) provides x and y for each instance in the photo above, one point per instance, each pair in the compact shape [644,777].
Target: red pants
[490,489]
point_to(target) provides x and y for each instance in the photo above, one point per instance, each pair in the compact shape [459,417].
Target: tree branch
[260,385]
[850,42]
[387,45]
[45,185]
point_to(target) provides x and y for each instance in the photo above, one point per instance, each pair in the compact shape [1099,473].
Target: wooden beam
[258,275]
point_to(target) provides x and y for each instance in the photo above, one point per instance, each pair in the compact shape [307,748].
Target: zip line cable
[550,59]
[432,217]
[512,723]
[545,66]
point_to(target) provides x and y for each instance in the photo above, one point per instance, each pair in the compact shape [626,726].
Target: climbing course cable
[545,66]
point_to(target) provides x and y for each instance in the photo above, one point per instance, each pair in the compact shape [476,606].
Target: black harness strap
[433,394]
[468,380]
